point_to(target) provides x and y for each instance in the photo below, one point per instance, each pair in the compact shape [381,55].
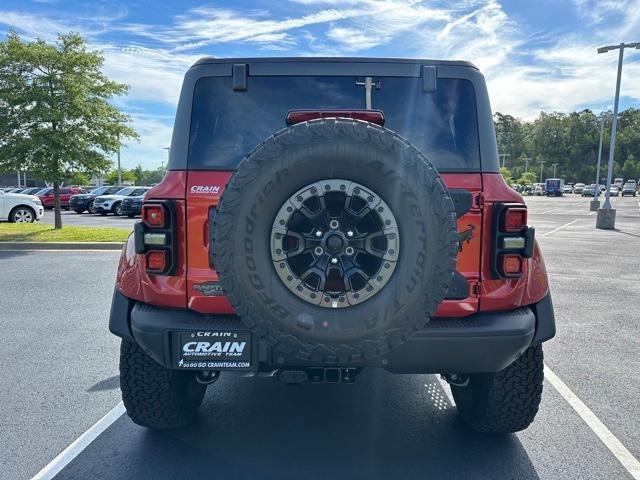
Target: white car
[105,204]
[18,208]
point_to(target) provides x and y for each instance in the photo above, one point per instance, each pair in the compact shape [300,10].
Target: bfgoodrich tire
[154,396]
[317,153]
[506,401]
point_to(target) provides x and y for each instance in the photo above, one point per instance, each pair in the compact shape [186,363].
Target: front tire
[22,215]
[154,396]
[91,208]
[506,401]
[117,209]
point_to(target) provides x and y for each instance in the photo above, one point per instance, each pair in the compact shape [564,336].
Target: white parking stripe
[628,461]
[552,210]
[447,389]
[83,441]
[559,228]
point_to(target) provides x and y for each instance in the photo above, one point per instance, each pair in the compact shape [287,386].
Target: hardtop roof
[417,61]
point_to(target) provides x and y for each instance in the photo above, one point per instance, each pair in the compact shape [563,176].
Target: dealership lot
[88,220]
[60,378]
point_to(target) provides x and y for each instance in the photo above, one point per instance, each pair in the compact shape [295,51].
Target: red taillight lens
[511,264]
[156,260]
[514,219]
[153,215]
[299,116]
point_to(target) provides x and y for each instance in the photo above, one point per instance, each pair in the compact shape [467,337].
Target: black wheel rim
[335,243]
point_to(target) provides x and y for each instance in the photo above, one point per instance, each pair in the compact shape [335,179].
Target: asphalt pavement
[69,217]
[61,377]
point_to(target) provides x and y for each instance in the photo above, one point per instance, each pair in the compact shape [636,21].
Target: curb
[14,246]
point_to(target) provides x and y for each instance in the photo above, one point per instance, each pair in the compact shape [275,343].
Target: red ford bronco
[324,215]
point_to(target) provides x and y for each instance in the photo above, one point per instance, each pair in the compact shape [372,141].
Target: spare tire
[349,201]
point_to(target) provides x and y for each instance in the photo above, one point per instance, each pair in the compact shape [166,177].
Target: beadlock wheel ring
[335,243]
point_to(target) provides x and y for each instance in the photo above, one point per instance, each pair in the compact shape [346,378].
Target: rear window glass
[227,124]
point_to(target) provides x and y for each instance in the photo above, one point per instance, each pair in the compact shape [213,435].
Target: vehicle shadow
[384,426]
[110,383]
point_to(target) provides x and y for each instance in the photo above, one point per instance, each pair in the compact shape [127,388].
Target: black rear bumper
[484,342]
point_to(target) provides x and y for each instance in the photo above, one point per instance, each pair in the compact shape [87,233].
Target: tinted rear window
[227,124]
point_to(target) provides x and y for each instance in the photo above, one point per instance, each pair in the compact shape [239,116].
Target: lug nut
[334,260]
[318,233]
[334,224]
[349,233]
[349,250]
[318,251]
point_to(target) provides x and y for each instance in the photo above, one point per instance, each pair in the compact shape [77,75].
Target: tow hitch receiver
[319,375]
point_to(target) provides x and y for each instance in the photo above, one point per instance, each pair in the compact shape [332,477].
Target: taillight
[299,116]
[513,240]
[156,260]
[153,215]
[514,219]
[155,237]
[511,264]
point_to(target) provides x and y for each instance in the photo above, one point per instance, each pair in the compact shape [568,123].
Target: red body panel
[507,294]
[204,190]
[196,192]
[162,290]
[468,263]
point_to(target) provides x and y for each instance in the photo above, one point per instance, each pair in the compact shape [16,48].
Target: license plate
[215,350]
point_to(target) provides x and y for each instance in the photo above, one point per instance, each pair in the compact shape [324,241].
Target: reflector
[156,260]
[515,219]
[153,215]
[511,264]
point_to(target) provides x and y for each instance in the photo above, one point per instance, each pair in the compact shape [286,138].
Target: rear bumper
[485,342]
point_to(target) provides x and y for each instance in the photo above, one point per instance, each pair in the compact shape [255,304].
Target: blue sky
[536,55]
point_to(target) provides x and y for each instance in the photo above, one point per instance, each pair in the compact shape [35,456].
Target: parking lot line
[552,210]
[559,228]
[83,441]
[624,456]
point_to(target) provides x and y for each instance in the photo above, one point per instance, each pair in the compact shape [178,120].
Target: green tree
[527,178]
[78,178]
[631,169]
[55,115]
[127,176]
[506,174]
[138,173]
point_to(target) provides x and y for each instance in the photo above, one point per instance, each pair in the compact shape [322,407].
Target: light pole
[504,156]
[554,165]
[606,218]
[541,162]
[526,164]
[119,168]
[595,203]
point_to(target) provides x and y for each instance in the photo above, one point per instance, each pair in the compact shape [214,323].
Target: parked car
[618,183]
[613,191]
[589,191]
[628,189]
[538,189]
[48,201]
[327,248]
[84,201]
[19,208]
[105,204]
[568,188]
[578,187]
[132,206]
[31,190]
